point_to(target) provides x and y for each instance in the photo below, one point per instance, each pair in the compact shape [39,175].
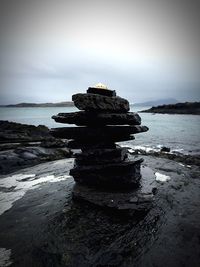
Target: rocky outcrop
[24,145]
[12,132]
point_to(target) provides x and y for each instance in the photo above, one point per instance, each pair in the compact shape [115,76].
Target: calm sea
[179,132]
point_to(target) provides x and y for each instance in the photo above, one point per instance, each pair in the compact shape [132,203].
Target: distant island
[179,108]
[40,105]
[71,104]
[157,102]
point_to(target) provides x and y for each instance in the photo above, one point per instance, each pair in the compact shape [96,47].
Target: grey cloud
[51,49]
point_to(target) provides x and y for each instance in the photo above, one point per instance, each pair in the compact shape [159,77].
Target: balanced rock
[124,175]
[83,118]
[100,156]
[91,102]
[132,202]
[98,133]
[102,168]
[101,91]
[86,145]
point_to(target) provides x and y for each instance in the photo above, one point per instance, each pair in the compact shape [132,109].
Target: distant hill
[179,108]
[157,102]
[33,105]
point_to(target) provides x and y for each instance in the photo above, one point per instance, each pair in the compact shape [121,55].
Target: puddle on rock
[161,177]
[21,183]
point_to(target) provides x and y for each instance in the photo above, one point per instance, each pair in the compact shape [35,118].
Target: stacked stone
[103,120]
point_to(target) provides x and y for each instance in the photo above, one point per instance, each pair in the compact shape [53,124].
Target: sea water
[179,132]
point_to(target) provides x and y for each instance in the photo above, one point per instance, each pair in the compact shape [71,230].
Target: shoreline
[167,113]
[23,145]
[40,224]
[188,159]
[190,108]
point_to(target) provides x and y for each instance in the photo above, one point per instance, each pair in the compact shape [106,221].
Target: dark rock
[90,144]
[101,156]
[138,200]
[98,102]
[46,228]
[98,143]
[11,132]
[28,155]
[165,149]
[12,160]
[133,201]
[124,175]
[176,156]
[93,118]
[179,108]
[101,164]
[53,143]
[115,133]
[27,145]
[105,92]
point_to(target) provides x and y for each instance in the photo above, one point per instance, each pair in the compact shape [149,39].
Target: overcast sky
[145,50]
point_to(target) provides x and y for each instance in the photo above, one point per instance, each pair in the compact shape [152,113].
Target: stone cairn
[102,171]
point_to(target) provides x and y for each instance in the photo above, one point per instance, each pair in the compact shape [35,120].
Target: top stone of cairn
[101,89]
[99,98]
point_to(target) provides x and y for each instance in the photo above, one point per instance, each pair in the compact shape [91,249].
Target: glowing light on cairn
[101,86]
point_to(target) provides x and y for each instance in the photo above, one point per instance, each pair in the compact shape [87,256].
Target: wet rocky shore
[42,226]
[187,159]
[23,145]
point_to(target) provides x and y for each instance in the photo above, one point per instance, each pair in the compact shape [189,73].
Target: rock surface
[179,157]
[100,156]
[106,92]
[21,157]
[97,133]
[24,145]
[12,132]
[46,228]
[135,202]
[165,149]
[101,103]
[91,144]
[123,175]
[83,118]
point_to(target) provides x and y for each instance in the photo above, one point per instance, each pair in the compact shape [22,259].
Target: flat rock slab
[99,102]
[121,175]
[98,91]
[92,144]
[98,143]
[101,156]
[82,118]
[99,133]
[138,200]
